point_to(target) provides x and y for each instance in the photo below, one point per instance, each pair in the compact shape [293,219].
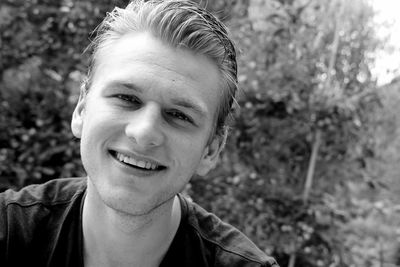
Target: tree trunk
[328,84]
[311,165]
[292,260]
[335,47]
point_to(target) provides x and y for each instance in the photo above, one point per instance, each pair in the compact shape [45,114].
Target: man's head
[147,117]
[180,24]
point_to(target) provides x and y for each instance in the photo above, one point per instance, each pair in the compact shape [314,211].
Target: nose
[144,127]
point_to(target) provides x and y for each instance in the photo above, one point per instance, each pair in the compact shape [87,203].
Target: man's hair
[181,24]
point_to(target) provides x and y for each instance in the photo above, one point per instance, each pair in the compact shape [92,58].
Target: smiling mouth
[137,164]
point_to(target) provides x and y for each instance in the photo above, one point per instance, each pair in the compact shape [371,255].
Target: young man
[151,115]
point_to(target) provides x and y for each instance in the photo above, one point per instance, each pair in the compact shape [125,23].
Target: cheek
[188,143]
[189,151]
[96,127]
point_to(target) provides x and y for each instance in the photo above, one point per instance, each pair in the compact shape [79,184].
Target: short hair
[181,24]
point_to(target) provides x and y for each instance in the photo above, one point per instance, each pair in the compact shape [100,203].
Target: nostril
[143,135]
[145,125]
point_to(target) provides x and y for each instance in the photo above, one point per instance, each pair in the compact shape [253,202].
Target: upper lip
[138,157]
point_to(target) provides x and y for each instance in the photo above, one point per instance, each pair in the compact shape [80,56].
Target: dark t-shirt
[41,225]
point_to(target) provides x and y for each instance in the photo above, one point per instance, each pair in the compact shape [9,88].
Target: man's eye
[128,98]
[179,116]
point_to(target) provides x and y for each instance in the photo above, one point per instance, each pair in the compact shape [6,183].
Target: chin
[125,203]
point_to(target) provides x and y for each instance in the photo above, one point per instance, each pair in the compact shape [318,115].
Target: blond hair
[181,24]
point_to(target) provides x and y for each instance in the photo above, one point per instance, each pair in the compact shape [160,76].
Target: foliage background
[310,168]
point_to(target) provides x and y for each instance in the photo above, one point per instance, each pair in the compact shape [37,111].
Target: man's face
[146,122]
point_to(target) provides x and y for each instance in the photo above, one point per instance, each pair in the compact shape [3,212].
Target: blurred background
[311,168]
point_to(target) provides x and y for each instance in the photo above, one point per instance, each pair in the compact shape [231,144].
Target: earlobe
[210,156]
[77,116]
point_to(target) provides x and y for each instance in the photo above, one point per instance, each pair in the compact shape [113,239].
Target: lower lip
[136,171]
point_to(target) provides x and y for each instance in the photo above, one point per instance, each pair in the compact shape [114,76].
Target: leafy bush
[304,93]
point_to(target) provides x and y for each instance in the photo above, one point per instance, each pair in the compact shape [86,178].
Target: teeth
[129,161]
[141,164]
[132,161]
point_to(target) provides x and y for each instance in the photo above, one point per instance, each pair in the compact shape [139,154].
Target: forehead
[144,60]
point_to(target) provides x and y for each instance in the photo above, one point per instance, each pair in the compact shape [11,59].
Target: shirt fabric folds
[41,225]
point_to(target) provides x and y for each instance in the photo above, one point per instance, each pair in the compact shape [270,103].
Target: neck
[113,238]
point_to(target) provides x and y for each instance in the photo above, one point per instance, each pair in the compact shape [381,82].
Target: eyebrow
[178,101]
[130,86]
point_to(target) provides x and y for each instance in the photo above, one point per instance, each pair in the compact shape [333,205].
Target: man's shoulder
[53,192]
[41,222]
[232,245]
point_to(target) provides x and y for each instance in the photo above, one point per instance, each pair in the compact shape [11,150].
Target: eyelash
[176,114]
[180,116]
[129,98]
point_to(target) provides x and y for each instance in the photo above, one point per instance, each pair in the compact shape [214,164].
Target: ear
[210,155]
[78,115]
